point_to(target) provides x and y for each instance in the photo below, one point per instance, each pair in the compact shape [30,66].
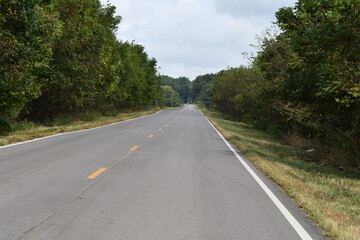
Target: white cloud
[195,37]
[251,9]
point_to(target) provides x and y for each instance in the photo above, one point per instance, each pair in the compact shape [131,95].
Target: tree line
[305,79]
[177,90]
[61,57]
[181,90]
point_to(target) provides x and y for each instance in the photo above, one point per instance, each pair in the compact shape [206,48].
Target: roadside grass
[29,130]
[329,196]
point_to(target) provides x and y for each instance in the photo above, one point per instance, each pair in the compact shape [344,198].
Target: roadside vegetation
[28,130]
[331,197]
[61,65]
[61,60]
[304,82]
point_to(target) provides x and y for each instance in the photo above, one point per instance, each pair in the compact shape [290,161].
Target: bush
[275,130]
[5,125]
[259,125]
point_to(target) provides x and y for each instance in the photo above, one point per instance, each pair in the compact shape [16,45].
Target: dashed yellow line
[133,148]
[97,173]
[150,136]
[160,129]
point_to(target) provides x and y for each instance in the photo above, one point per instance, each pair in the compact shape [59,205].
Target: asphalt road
[163,176]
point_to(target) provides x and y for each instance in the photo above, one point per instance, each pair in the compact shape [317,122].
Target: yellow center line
[97,173]
[160,129]
[150,136]
[133,148]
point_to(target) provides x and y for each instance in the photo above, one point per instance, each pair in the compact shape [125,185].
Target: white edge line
[294,223]
[83,130]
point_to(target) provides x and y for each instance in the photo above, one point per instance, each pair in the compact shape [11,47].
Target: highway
[166,176]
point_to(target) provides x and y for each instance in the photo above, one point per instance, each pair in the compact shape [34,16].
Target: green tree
[76,74]
[324,74]
[138,76]
[29,30]
[202,89]
[236,91]
[62,58]
[172,98]
[182,85]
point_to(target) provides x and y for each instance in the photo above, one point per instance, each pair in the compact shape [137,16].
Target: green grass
[329,196]
[28,130]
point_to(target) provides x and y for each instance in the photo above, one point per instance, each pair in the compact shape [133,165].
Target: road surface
[164,176]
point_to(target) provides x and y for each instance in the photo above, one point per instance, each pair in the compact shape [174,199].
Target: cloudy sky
[195,37]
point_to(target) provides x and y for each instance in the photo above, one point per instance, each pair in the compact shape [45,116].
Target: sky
[195,37]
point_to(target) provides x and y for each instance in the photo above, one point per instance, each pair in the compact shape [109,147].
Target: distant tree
[182,85]
[202,89]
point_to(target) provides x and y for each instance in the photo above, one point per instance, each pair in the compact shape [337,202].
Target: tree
[202,89]
[325,71]
[172,98]
[76,74]
[236,90]
[29,30]
[138,76]
[180,85]
[62,58]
